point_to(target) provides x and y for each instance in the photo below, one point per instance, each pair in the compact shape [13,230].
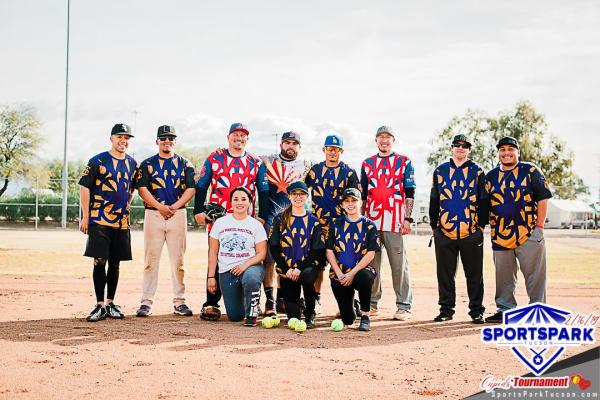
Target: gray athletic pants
[394,247]
[530,257]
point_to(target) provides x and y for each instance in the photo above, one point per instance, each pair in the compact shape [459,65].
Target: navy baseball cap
[509,140]
[291,135]
[385,129]
[166,130]
[298,185]
[351,192]
[238,126]
[461,138]
[334,141]
[121,129]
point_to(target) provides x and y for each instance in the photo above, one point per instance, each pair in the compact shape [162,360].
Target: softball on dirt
[292,323]
[337,325]
[276,321]
[267,323]
[300,326]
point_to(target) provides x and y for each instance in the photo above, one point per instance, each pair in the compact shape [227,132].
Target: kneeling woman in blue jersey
[298,248]
[351,246]
[238,245]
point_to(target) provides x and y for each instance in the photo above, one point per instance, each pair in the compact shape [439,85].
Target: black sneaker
[357,308]
[143,311]
[495,319]
[365,324]
[280,306]
[98,313]
[310,321]
[182,309]
[250,321]
[477,319]
[443,316]
[113,311]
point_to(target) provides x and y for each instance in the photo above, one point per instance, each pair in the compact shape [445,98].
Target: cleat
[182,309]
[113,311]
[143,311]
[98,313]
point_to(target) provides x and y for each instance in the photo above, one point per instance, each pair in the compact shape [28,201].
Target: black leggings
[290,291]
[103,278]
[344,295]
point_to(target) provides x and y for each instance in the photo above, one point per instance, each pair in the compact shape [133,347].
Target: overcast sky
[310,66]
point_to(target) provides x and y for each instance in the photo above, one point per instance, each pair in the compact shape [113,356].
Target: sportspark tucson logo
[538,334]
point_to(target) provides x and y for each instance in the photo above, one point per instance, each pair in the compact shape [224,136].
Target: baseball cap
[166,130]
[298,185]
[461,138]
[291,135]
[385,129]
[351,192]
[509,140]
[334,141]
[238,126]
[120,129]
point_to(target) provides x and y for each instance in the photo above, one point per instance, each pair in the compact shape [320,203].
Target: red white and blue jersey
[280,173]
[223,172]
[383,181]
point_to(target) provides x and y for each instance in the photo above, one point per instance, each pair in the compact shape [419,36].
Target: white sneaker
[402,315]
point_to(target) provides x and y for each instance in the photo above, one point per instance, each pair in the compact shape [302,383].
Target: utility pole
[65,171]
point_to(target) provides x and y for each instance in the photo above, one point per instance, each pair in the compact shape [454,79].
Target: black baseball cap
[165,130]
[509,140]
[461,138]
[291,135]
[298,185]
[351,192]
[121,129]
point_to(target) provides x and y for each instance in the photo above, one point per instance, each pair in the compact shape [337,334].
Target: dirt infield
[49,351]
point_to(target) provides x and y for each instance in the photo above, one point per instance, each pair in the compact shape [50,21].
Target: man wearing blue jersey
[458,214]
[518,207]
[166,185]
[106,190]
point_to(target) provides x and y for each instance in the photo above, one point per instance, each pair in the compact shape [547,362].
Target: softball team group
[277,221]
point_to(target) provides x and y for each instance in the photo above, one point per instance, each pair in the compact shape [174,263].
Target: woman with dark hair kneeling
[298,249]
[351,246]
[238,245]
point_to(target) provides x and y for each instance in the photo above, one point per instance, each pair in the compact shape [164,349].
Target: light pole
[65,171]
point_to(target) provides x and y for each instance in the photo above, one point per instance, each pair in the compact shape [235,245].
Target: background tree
[55,169]
[536,145]
[19,141]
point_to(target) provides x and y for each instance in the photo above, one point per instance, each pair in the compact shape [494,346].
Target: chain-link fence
[42,207]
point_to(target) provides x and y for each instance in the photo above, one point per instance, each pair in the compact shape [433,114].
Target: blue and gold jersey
[166,178]
[296,241]
[514,195]
[459,192]
[350,241]
[111,181]
[327,185]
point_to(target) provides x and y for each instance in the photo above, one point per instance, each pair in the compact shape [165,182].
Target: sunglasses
[165,138]
[333,149]
[461,145]
[298,194]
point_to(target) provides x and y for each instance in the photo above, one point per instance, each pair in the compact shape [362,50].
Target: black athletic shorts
[108,243]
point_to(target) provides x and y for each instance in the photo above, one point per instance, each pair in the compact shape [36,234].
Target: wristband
[211,277]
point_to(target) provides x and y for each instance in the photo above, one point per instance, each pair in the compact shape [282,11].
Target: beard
[290,154]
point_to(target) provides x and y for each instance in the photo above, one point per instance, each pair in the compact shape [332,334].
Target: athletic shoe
[357,308]
[477,319]
[365,324]
[495,319]
[143,311]
[97,314]
[443,316]
[280,306]
[269,308]
[210,313]
[113,311]
[250,321]
[402,315]
[182,309]
[310,321]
